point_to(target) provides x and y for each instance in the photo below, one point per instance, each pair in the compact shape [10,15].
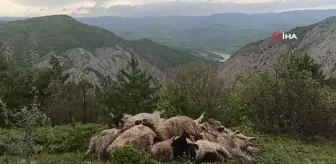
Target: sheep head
[194,129]
[216,125]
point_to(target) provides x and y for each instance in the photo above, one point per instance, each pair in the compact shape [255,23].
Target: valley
[177,89]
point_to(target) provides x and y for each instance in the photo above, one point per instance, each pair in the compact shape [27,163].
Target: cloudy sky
[134,8]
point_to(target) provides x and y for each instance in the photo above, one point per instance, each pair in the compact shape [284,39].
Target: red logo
[277,36]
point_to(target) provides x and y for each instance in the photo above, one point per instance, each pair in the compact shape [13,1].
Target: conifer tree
[131,93]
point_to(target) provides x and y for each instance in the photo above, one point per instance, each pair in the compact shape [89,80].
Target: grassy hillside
[54,33]
[216,38]
[221,38]
[60,33]
[159,54]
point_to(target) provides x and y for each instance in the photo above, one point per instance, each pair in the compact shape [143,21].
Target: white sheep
[139,136]
[211,152]
[99,143]
[128,121]
[177,125]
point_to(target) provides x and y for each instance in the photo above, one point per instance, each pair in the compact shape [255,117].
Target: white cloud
[11,8]
[152,7]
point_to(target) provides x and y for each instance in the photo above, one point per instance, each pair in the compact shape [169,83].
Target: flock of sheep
[170,139]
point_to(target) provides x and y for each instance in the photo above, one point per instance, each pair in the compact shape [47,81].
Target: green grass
[280,150]
[60,33]
[275,150]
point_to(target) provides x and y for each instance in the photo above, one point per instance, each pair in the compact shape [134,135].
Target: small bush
[196,88]
[58,139]
[67,138]
[130,155]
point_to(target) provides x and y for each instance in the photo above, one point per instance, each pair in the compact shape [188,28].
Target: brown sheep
[182,147]
[139,136]
[211,152]
[99,143]
[176,126]
[234,145]
[163,151]
[200,151]
[128,121]
[217,125]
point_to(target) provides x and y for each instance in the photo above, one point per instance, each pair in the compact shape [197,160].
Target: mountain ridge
[60,34]
[222,32]
[317,40]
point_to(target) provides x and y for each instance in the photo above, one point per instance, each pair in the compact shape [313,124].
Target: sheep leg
[251,149]
[91,146]
[242,136]
[223,151]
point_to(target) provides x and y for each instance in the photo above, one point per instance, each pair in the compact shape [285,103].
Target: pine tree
[132,92]
[56,68]
[85,86]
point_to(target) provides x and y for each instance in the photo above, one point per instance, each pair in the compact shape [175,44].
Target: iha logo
[278,36]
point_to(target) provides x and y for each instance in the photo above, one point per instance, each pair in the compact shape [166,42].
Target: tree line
[293,97]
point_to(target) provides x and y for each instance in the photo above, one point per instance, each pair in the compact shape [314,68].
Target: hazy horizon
[143,8]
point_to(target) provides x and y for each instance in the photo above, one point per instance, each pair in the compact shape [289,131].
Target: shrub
[196,89]
[290,99]
[67,138]
[58,139]
[129,155]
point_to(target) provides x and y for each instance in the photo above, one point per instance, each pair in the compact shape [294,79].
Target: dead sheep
[184,149]
[211,152]
[99,143]
[139,136]
[163,151]
[176,126]
[128,121]
[217,125]
[179,147]
[234,145]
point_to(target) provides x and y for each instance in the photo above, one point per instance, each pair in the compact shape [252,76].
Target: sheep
[139,136]
[162,151]
[99,143]
[128,120]
[216,125]
[234,145]
[175,126]
[182,148]
[211,152]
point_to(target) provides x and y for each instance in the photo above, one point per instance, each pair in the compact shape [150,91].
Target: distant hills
[89,50]
[318,40]
[224,33]
[210,37]
[96,52]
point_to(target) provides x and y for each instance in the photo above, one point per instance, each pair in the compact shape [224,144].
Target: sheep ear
[174,139]
[200,118]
